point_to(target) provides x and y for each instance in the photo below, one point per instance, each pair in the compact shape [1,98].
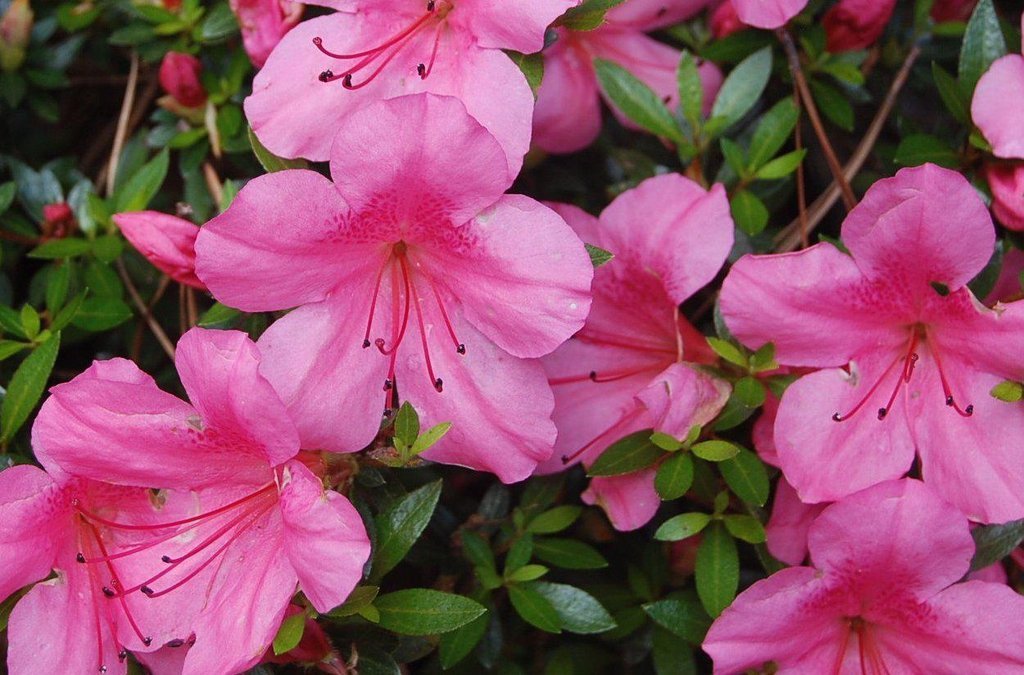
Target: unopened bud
[15,29]
[179,77]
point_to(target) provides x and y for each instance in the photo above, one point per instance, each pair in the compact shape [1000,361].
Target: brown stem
[122,122]
[789,237]
[140,305]
[801,186]
[812,113]
[161,288]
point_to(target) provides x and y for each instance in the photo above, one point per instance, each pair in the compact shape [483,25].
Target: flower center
[375,59]
[405,301]
[868,654]
[908,359]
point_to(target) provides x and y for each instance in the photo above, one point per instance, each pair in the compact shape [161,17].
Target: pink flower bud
[1007,184]
[179,77]
[856,24]
[953,10]
[313,648]
[167,241]
[725,21]
[264,23]
[58,220]
[15,29]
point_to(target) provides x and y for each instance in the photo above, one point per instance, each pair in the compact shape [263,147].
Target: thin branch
[140,305]
[788,239]
[801,185]
[849,199]
[122,122]
[162,286]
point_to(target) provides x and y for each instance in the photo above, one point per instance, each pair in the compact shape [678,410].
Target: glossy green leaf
[535,609]
[636,100]
[682,526]
[422,611]
[681,614]
[579,611]
[743,87]
[632,453]
[289,635]
[554,520]
[747,477]
[271,162]
[983,43]
[27,386]
[400,526]
[140,188]
[773,130]
[995,542]
[718,569]
[715,450]
[674,476]
[570,554]
[749,213]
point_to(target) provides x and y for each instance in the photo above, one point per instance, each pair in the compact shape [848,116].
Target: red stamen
[860,404]
[396,339]
[375,51]
[373,305]
[595,376]
[116,583]
[946,389]
[626,343]
[837,668]
[459,347]
[437,382]
[424,73]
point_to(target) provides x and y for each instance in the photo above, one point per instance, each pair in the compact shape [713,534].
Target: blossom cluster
[402,274]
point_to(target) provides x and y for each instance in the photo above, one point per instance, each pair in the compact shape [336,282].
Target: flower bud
[15,30]
[952,10]
[313,648]
[856,24]
[725,21]
[179,77]
[264,23]
[58,220]
[166,241]
[1007,184]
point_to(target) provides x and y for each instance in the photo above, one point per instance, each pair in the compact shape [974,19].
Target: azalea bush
[546,336]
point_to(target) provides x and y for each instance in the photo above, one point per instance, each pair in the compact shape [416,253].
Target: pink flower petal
[29,536]
[629,500]
[567,117]
[166,241]
[790,520]
[994,108]
[648,15]
[519,25]
[1007,184]
[768,13]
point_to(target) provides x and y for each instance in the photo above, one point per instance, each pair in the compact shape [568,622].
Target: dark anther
[666,99]
[388,385]
[388,412]
[882,412]
[103,669]
[347,82]
[662,11]
[949,400]
[430,6]
[80,558]
[565,459]
[317,41]
[836,417]
[175,643]
[592,375]
[191,639]
[147,590]
[366,343]
[461,348]
[108,591]
[326,76]
[421,70]
[969,409]
[166,558]
[122,655]
[147,641]
[439,384]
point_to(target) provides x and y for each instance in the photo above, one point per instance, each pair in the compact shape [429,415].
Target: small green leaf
[715,451]
[98,314]
[834,104]
[26,387]
[360,598]
[218,316]
[140,188]
[717,570]
[682,526]
[749,391]
[519,554]
[569,554]
[773,130]
[554,520]
[271,162]
[532,66]
[632,453]
[764,358]
[428,438]
[579,611]
[60,248]
[734,156]
[30,321]
[9,348]
[57,283]
[747,477]
[636,100]
[457,644]
[107,248]
[407,424]
[952,94]
[477,550]
[728,351]
[422,611]
[747,528]
[665,442]
[598,256]
[68,313]
[674,476]
[983,43]
[400,526]
[691,90]
[527,573]
[588,15]
[917,149]
[289,635]
[681,614]
[535,609]
[781,166]
[1008,391]
[7,192]
[994,542]
[749,213]
[743,87]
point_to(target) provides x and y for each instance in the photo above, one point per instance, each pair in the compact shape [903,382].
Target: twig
[788,239]
[161,288]
[122,122]
[801,185]
[140,305]
[148,94]
[812,113]
[213,184]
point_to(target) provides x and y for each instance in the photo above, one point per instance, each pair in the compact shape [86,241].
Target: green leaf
[477,550]
[674,476]
[68,313]
[952,94]
[535,609]
[671,656]
[98,314]
[519,554]
[691,90]
[7,192]
[527,573]
[140,188]
[834,104]
[734,156]
[750,215]
[218,316]
[9,348]
[781,166]
[579,611]
[457,644]
[219,24]
[60,248]
[1008,391]
[360,598]
[666,442]
[747,477]
[429,437]
[26,387]
[30,321]
[743,87]
[983,43]
[773,130]
[271,162]
[683,616]
[107,248]
[749,391]
[103,281]
[715,451]
[682,526]
[569,554]
[636,100]
[554,520]
[422,611]
[598,256]
[917,149]
[588,15]
[400,526]
[289,635]
[632,453]
[407,424]
[532,66]
[717,570]
[995,542]
[747,528]
[728,351]
[57,283]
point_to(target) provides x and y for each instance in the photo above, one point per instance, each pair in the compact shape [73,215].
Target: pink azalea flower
[166,241]
[261,523]
[329,67]
[856,24]
[907,366]
[264,23]
[1007,184]
[767,13]
[179,77]
[882,597]
[995,106]
[412,271]
[567,116]
[1008,285]
[725,21]
[76,621]
[632,366]
[789,523]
